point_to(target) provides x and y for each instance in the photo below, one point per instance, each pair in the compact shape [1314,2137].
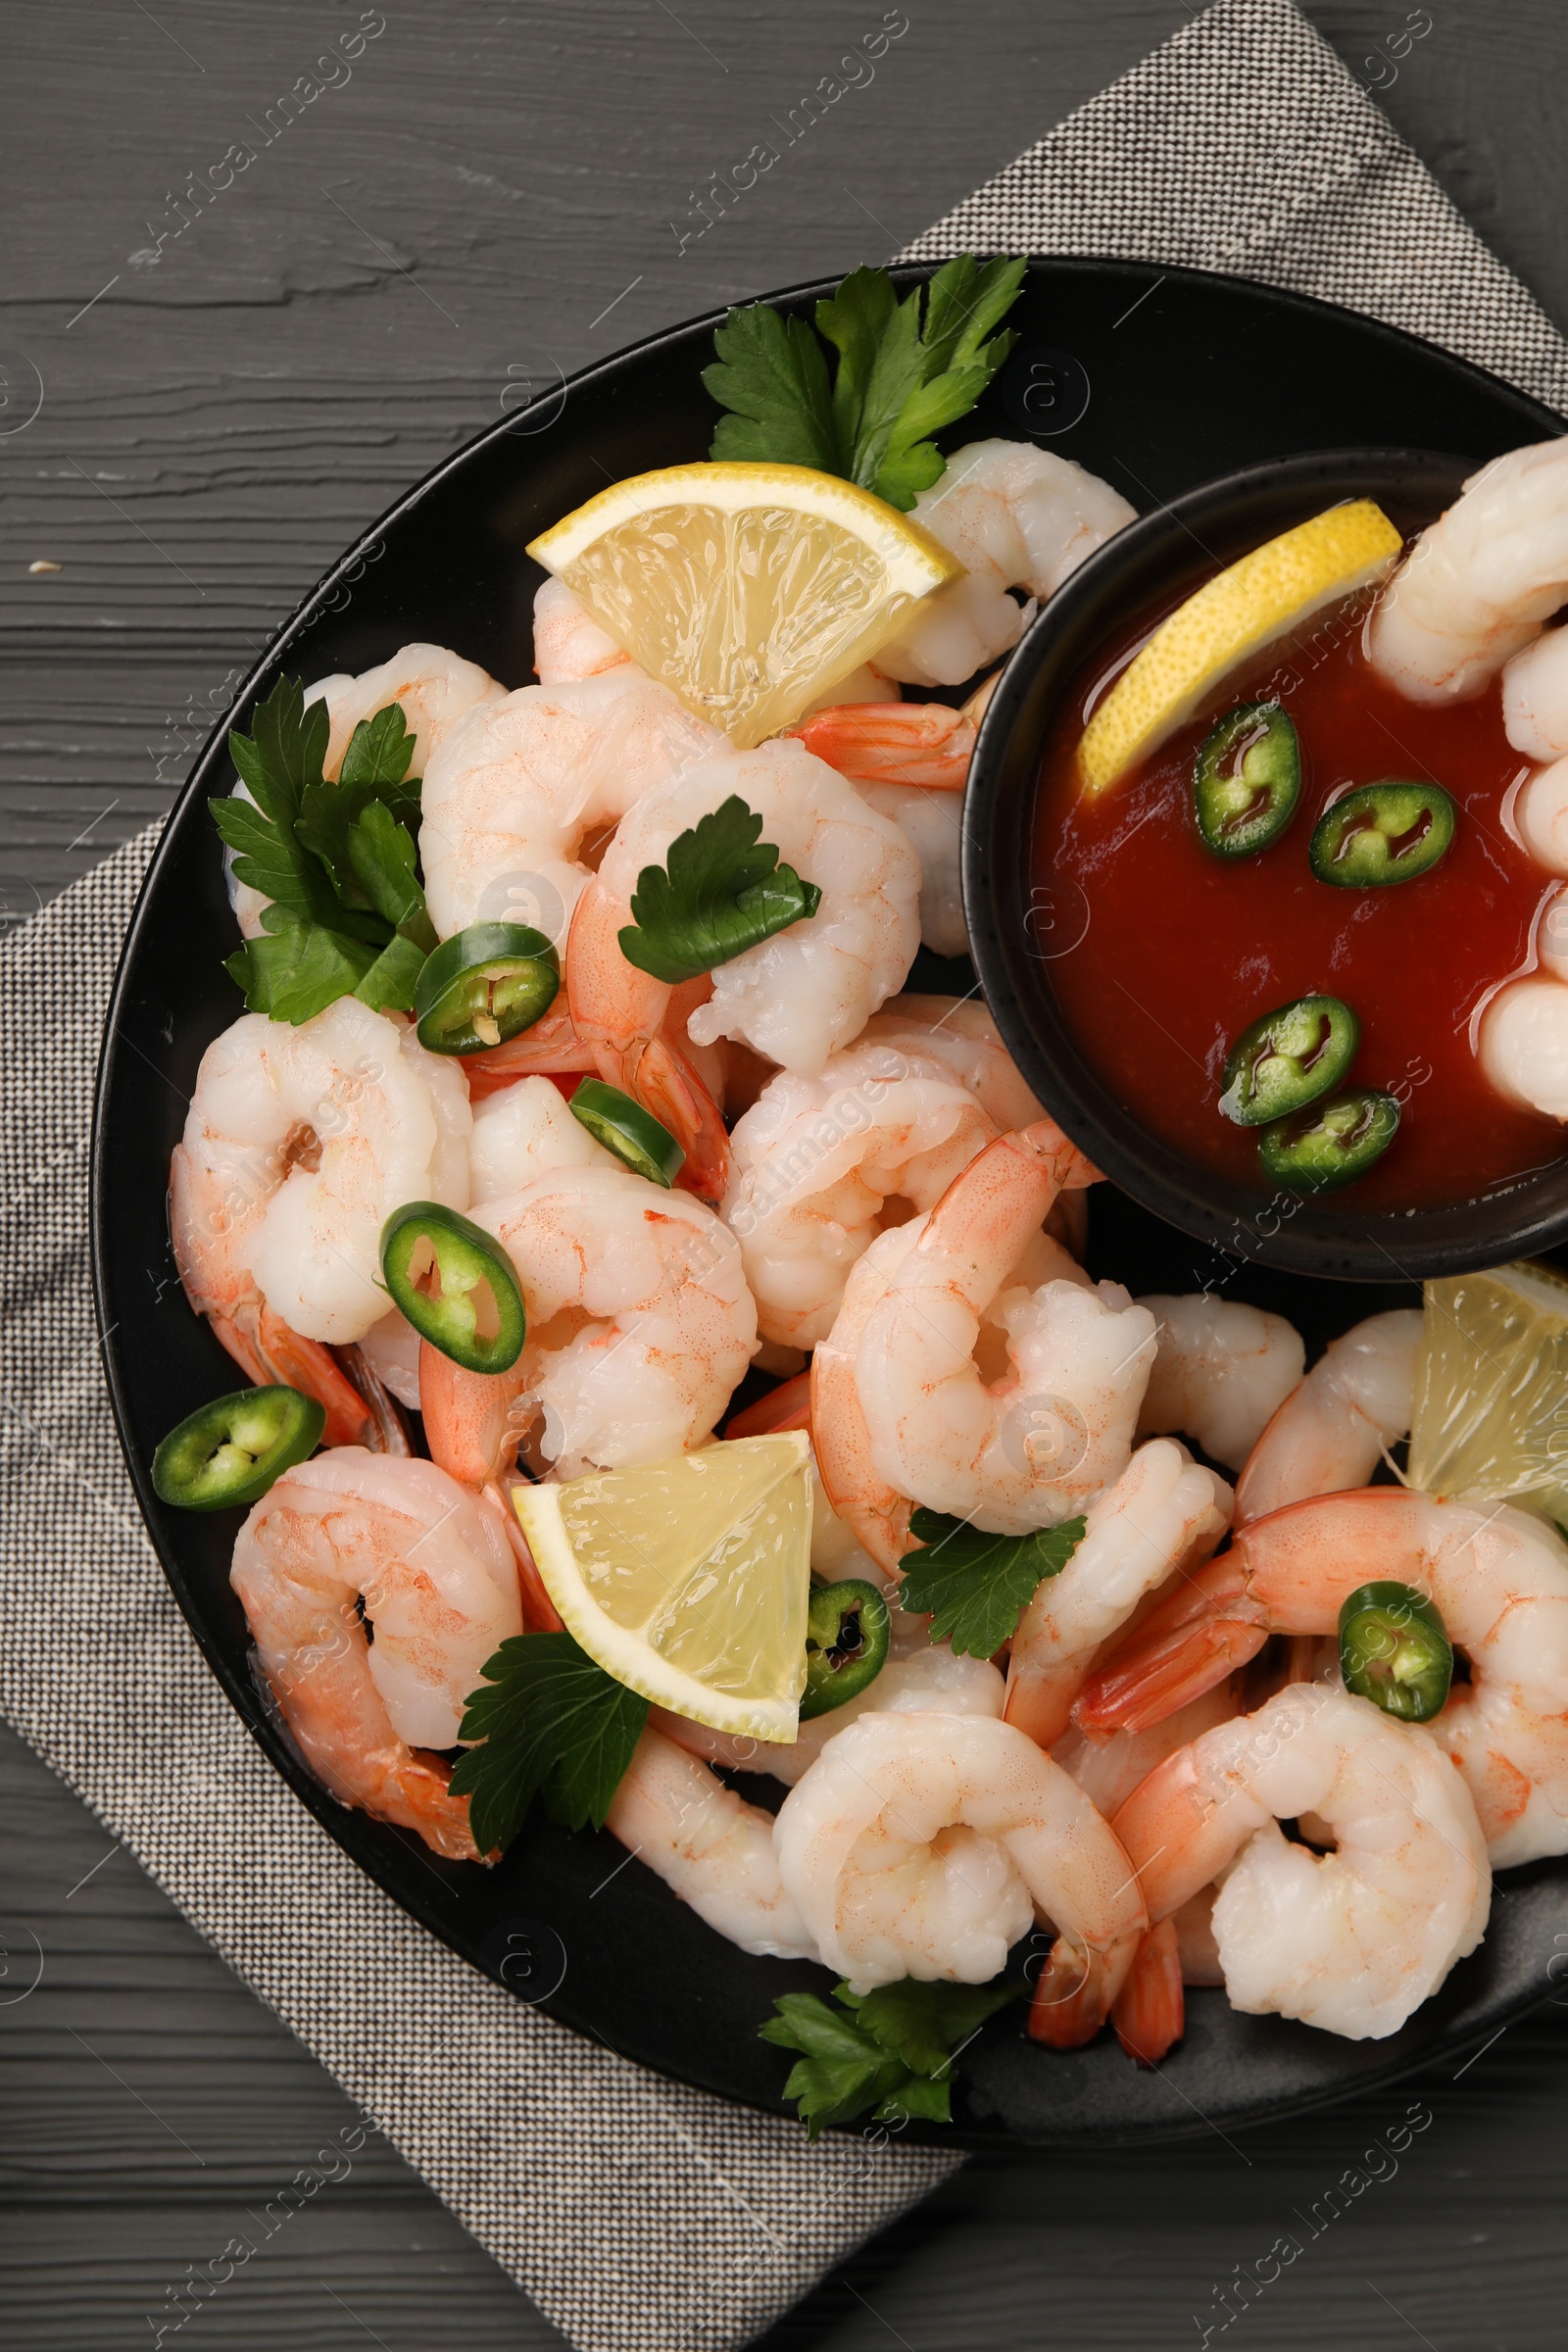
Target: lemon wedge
[1231,617]
[688,1580]
[1491,1416]
[748,589]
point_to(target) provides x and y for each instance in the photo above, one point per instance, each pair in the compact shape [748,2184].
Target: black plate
[1205,375]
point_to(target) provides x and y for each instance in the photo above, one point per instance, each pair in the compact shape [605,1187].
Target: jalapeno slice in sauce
[847,1629]
[1287,1059]
[456,1284]
[1332,1142]
[624,1127]
[489,983]
[1246,780]
[228,1454]
[1395,1649]
[1381,833]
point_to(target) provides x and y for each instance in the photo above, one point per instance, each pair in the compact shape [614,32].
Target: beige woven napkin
[636,2213]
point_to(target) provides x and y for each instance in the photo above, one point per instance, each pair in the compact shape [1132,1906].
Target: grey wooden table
[231,387]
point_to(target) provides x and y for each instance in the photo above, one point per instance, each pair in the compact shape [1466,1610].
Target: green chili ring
[456,1285]
[488,984]
[624,1127]
[1382,834]
[847,1631]
[227,1455]
[1333,1143]
[1247,780]
[1287,1058]
[1395,1649]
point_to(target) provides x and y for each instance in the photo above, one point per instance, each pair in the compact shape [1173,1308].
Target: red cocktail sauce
[1177,950]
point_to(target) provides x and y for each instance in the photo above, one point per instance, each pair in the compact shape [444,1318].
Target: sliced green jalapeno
[489,983]
[1331,1143]
[1395,1649]
[456,1284]
[624,1127]
[231,1452]
[846,1644]
[1246,780]
[1383,833]
[1287,1058]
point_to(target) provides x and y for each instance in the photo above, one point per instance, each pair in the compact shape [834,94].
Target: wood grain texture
[495,194]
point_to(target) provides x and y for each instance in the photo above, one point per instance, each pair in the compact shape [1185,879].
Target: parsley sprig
[552,1725]
[976,1585]
[903,370]
[893,2051]
[337,862]
[719,892]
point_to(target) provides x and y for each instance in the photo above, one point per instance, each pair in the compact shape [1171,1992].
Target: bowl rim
[1294,1234]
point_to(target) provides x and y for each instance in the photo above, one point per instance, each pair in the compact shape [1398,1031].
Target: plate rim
[325,1809]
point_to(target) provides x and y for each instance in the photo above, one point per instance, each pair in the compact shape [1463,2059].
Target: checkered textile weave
[640,2216]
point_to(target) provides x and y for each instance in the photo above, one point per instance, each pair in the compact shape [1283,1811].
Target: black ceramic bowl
[567,1921]
[1017,934]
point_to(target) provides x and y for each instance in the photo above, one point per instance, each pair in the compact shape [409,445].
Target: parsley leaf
[905,370]
[772,376]
[892,2053]
[552,1725]
[337,862]
[719,892]
[976,1585]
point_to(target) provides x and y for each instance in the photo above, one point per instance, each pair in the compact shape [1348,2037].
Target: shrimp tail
[270,1354]
[788,1406]
[1208,1628]
[1040,1702]
[550,1049]
[391,1428]
[664,1083]
[928,744]
[468,1422]
[1149,2011]
[1076,1989]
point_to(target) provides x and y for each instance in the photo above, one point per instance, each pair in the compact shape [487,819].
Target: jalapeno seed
[485,984]
[1395,1649]
[1381,833]
[1333,1143]
[456,1285]
[1287,1059]
[847,1627]
[624,1127]
[1246,780]
[231,1452]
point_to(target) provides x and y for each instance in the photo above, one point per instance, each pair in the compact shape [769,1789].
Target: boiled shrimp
[1499,1581]
[1350,1941]
[640,1327]
[1220,1370]
[1522,1043]
[1107,1768]
[926,1845]
[523,1131]
[1163,1515]
[433,1571]
[804,994]
[901,1407]
[298,1146]
[1333,1429]
[816,1161]
[712,1848]
[960,1033]
[1480,582]
[930,1680]
[1016,517]
[567,641]
[517,788]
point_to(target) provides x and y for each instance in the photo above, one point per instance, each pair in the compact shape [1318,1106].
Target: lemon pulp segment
[688,1579]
